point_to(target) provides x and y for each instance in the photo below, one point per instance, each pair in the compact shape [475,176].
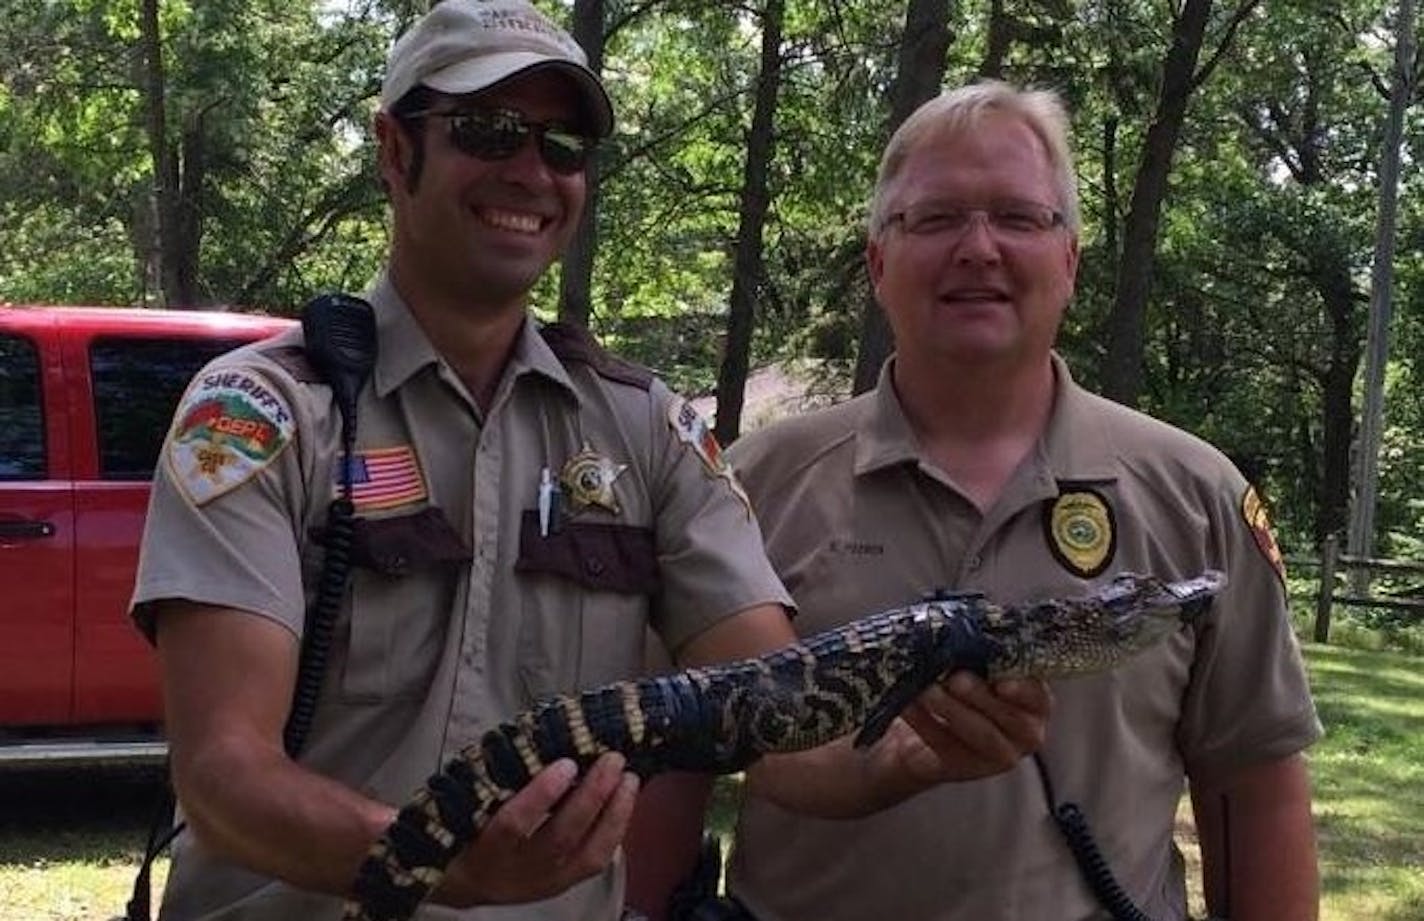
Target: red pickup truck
[86,395]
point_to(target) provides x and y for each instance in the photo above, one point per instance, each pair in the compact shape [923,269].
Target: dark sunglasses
[498,134]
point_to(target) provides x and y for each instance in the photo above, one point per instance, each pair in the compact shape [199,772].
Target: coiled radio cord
[1091,863]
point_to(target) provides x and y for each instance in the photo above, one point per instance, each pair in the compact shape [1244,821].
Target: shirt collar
[405,349]
[532,355]
[1075,444]
[885,437]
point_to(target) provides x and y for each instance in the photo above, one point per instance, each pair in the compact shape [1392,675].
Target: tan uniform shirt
[461,612]
[857,521]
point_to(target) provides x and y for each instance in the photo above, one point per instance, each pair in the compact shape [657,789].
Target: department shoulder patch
[1254,511]
[1081,531]
[692,430]
[230,425]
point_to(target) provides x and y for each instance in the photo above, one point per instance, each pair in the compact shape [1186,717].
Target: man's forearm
[830,782]
[1258,843]
[263,811]
[840,781]
[664,841]
[956,730]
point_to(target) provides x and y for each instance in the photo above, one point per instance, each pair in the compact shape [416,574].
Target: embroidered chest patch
[384,478]
[229,427]
[1081,531]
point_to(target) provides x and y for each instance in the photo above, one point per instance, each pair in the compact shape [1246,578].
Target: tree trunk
[1122,367]
[1337,384]
[179,169]
[1001,32]
[165,168]
[576,279]
[918,76]
[748,272]
[1110,204]
[185,248]
[1362,523]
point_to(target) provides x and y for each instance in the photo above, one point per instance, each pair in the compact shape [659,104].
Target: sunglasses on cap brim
[498,134]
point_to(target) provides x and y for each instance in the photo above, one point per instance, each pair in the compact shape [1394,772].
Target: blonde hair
[960,110]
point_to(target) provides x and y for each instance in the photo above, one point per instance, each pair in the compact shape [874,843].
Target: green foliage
[265,101]
[1271,204]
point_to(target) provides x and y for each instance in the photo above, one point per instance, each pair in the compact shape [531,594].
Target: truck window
[22,444]
[137,385]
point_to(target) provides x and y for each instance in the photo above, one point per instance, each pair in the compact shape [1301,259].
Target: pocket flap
[604,557]
[398,545]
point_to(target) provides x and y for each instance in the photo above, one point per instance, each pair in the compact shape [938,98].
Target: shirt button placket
[470,679]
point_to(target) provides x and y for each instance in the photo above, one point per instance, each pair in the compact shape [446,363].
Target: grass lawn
[70,841]
[1369,783]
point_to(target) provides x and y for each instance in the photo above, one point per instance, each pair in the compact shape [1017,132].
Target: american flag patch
[384,478]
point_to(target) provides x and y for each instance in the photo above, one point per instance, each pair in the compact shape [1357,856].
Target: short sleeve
[710,551]
[1249,697]
[224,515]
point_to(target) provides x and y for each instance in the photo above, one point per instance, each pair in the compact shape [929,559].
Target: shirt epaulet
[571,342]
[293,359]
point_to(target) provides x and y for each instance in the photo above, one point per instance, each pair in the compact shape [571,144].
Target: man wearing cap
[526,506]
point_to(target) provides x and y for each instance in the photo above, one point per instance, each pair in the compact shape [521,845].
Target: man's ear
[874,261]
[391,151]
[1071,255]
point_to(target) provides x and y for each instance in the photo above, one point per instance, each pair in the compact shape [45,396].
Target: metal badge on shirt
[586,481]
[693,430]
[229,427]
[384,478]
[588,478]
[1081,531]
[1254,511]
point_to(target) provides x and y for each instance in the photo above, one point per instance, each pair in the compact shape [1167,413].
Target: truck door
[36,533]
[136,380]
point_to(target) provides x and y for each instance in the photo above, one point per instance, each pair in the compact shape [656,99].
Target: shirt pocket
[585,591]
[406,571]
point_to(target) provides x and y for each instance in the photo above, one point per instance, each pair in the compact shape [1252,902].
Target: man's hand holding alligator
[966,727]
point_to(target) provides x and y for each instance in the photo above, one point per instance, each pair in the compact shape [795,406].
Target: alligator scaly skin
[720,719]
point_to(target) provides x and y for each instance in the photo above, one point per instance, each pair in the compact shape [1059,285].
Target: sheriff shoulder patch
[1081,531]
[1254,511]
[692,430]
[230,425]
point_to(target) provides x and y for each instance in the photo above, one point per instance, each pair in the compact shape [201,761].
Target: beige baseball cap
[463,46]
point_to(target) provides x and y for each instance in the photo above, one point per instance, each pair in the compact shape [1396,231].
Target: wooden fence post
[1330,556]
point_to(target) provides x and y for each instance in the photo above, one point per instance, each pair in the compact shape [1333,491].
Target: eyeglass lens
[1011,217]
[498,135]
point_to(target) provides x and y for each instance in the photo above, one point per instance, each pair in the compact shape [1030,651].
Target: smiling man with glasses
[978,465]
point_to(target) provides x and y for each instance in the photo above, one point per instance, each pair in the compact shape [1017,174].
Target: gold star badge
[588,478]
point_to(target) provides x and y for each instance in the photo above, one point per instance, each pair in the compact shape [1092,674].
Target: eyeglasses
[498,134]
[1009,218]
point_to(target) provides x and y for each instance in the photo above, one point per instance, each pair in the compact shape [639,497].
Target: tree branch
[1234,23]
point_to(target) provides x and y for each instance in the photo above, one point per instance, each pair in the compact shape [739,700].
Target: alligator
[722,718]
